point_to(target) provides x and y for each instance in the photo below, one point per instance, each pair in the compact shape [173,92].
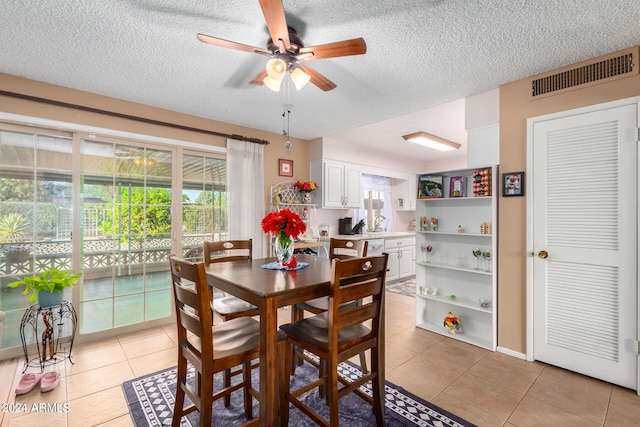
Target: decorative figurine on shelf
[434,224]
[452,322]
[424,224]
[460,229]
[305,214]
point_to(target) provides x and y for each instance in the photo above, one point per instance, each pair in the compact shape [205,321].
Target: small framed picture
[513,184]
[430,187]
[456,186]
[285,167]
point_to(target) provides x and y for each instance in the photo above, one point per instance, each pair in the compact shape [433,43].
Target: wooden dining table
[270,290]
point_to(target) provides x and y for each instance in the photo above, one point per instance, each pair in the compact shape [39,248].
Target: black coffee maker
[345,225]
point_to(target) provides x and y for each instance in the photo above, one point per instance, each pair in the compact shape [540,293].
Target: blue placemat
[275,265]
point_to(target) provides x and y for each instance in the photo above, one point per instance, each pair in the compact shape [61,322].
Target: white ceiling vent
[618,65]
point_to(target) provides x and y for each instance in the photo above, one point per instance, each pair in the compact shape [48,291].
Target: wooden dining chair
[197,338]
[338,334]
[338,249]
[230,307]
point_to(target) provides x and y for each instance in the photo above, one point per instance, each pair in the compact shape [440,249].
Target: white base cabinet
[402,258]
[450,278]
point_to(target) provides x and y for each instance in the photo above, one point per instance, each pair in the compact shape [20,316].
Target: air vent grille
[605,69]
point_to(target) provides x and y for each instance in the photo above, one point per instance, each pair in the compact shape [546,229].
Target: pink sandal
[49,381]
[27,383]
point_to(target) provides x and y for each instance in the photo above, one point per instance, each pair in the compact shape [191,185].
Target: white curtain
[245,188]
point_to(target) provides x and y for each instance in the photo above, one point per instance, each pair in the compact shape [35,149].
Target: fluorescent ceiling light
[431,141]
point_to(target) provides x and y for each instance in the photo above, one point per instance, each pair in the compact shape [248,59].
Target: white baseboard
[512,353]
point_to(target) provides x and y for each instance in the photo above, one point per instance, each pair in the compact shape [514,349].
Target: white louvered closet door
[584,217]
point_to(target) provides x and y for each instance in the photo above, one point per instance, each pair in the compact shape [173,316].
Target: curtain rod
[135,118]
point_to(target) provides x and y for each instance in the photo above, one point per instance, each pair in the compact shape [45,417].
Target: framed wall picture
[285,167]
[456,186]
[430,187]
[481,182]
[513,184]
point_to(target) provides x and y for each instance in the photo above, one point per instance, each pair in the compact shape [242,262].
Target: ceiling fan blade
[318,79]
[273,12]
[333,50]
[231,45]
[259,78]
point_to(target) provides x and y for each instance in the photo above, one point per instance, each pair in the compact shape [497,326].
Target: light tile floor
[486,388]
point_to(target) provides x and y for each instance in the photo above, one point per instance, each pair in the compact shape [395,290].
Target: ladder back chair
[197,338]
[338,249]
[230,307]
[339,334]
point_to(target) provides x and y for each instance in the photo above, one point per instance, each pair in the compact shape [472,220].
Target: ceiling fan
[287,52]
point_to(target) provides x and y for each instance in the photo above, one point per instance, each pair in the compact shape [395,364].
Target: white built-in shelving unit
[462,280]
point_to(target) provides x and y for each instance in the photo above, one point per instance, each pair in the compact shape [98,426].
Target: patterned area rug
[406,287]
[151,399]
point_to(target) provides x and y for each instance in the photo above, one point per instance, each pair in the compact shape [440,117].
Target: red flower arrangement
[283,222]
[305,186]
[285,225]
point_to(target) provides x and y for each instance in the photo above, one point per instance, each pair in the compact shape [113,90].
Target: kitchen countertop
[370,236]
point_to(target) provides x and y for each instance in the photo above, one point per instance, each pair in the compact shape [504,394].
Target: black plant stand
[62,319]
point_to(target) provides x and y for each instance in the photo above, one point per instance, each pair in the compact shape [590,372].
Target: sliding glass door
[126,195]
[35,214]
[131,203]
[204,203]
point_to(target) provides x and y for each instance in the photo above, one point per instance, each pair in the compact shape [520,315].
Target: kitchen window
[377,211]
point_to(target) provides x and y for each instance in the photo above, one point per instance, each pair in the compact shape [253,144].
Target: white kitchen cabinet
[405,193]
[340,183]
[450,278]
[401,262]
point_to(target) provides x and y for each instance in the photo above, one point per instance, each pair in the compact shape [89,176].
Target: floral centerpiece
[452,322]
[285,225]
[305,187]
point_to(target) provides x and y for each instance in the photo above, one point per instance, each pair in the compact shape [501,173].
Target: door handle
[543,254]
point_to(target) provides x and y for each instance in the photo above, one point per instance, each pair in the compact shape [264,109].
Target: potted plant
[48,286]
[14,227]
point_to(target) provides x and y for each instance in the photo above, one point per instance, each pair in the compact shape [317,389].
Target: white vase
[306,198]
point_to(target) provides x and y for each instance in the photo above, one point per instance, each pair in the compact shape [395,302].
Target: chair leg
[227,383]
[248,403]
[206,401]
[363,363]
[179,402]
[377,385]
[332,393]
[322,388]
[285,381]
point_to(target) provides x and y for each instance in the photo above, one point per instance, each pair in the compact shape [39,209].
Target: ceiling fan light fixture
[299,78]
[431,141]
[272,84]
[276,68]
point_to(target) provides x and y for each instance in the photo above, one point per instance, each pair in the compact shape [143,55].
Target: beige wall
[516,106]
[299,153]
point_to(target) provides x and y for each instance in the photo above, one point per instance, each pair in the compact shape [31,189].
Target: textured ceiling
[420,54]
